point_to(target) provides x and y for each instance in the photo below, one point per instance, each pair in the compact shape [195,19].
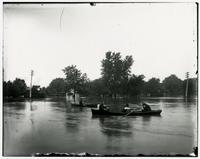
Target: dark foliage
[115,72]
[7,89]
[38,92]
[75,80]
[57,87]
[192,87]
[173,86]
[153,88]
[136,85]
[97,88]
[17,88]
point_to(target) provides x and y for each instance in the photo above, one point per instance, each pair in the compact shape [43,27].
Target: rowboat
[84,105]
[130,113]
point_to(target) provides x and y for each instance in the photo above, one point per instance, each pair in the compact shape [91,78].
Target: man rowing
[145,107]
[102,107]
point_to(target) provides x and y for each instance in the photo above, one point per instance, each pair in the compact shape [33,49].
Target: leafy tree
[56,87]
[18,88]
[38,92]
[98,88]
[192,87]
[75,80]
[136,85]
[173,85]
[153,87]
[7,88]
[115,72]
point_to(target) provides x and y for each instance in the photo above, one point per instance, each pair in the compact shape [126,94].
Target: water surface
[55,126]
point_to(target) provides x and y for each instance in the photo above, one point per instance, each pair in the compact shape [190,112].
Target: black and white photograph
[100,79]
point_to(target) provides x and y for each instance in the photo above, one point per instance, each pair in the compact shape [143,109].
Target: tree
[38,92]
[75,80]
[153,87]
[136,85]
[192,87]
[98,88]
[173,85]
[115,72]
[18,87]
[57,87]
[7,88]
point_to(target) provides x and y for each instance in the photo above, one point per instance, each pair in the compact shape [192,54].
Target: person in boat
[102,107]
[81,102]
[126,108]
[146,107]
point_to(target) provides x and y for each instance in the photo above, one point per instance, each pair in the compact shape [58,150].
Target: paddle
[132,111]
[129,113]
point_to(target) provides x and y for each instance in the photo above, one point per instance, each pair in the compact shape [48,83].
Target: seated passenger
[126,108]
[101,107]
[81,102]
[106,108]
[146,107]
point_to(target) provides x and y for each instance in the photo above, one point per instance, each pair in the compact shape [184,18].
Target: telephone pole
[186,90]
[30,93]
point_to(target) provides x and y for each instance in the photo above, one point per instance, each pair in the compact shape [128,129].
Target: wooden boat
[130,113]
[84,105]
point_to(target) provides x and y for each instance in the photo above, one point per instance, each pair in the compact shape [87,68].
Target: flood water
[55,126]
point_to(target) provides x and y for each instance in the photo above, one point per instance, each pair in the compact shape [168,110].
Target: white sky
[161,37]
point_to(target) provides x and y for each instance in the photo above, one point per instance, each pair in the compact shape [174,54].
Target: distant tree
[136,85]
[56,87]
[115,72]
[7,88]
[98,88]
[75,80]
[173,85]
[18,88]
[43,92]
[153,87]
[192,87]
[38,92]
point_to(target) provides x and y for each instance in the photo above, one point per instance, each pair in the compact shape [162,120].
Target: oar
[129,113]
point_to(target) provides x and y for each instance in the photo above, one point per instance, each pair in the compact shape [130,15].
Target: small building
[73,98]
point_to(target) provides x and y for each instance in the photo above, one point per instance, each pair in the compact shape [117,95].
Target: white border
[1,49]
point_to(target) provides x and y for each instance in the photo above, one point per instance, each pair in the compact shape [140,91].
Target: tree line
[116,81]
[171,86]
[18,88]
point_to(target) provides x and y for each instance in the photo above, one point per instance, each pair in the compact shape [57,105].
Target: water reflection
[146,120]
[54,125]
[72,123]
[114,126]
[74,117]
[116,130]
[15,106]
[33,107]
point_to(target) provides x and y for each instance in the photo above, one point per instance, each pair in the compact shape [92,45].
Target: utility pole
[3,60]
[186,90]
[30,93]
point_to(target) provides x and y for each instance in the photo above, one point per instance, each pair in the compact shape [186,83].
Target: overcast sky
[161,37]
